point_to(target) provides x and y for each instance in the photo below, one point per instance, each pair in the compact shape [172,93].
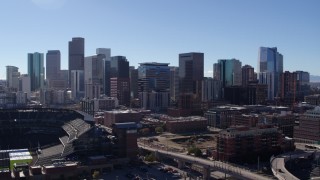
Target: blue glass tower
[36,70]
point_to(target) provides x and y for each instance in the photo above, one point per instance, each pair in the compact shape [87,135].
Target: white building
[25,84]
[21,97]
[94,75]
[77,84]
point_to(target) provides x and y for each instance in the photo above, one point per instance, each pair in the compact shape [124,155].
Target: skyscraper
[76,55]
[133,73]
[36,70]
[190,83]
[106,68]
[119,67]
[153,85]
[174,83]
[228,71]
[94,75]
[53,64]
[303,87]
[248,75]
[77,84]
[119,79]
[288,88]
[25,84]
[270,65]
[12,77]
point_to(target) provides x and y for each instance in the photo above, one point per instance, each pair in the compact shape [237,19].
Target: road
[278,165]
[221,166]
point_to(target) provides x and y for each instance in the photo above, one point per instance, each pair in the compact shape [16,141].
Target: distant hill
[314,78]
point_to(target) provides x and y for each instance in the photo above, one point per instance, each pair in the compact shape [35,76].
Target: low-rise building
[223,116]
[247,144]
[309,127]
[184,124]
[121,116]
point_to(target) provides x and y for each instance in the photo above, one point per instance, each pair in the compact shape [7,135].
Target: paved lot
[152,172]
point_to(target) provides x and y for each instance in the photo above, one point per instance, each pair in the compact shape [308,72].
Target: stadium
[39,137]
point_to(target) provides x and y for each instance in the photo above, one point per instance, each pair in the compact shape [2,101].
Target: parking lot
[150,172]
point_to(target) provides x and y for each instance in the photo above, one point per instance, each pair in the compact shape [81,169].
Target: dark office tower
[53,65]
[270,65]
[153,85]
[76,55]
[119,79]
[36,70]
[119,67]
[191,72]
[107,76]
[248,75]
[303,87]
[133,73]
[288,89]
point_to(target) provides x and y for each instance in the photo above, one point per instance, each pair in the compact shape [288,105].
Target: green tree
[150,158]
[159,130]
[96,175]
[194,150]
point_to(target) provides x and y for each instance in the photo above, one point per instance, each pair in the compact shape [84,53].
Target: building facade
[248,75]
[174,83]
[133,74]
[77,84]
[12,76]
[76,55]
[53,64]
[106,68]
[94,75]
[309,127]
[153,85]
[190,82]
[270,65]
[240,144]
[36,70]
[229,72]
[211,90]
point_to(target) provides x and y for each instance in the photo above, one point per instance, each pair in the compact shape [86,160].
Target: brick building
[126,134]
[185,124]
[245,144]
[309,126]
[121,116]
[223,116]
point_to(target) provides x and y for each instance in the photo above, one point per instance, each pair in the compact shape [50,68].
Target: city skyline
[160,31]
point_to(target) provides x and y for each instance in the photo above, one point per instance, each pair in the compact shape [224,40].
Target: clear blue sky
[158,30]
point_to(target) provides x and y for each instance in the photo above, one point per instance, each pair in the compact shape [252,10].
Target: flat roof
[20,155]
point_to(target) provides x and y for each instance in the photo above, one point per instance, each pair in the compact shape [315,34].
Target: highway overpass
[207,165]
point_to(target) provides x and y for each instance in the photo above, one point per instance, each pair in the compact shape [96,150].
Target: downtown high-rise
[53,63]
[270,65]
[190,82]
[36,70]
[153,85]
[119,79]
[76,55]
